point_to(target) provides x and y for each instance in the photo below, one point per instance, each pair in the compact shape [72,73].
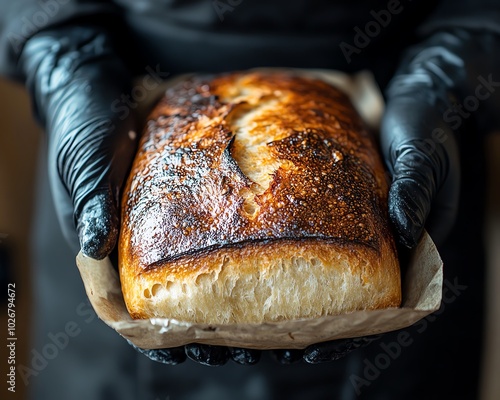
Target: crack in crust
[250,157]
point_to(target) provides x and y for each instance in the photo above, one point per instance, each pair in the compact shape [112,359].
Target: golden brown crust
[242,160]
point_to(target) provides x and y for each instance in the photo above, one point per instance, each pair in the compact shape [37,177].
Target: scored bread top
[245,158]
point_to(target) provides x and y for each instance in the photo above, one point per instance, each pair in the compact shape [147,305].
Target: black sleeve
[21,19]
[468,14]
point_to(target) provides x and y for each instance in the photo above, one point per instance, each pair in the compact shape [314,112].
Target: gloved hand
[202,354]
[75,77]
[443,84]
[422,120]
[323,352]
[220,355]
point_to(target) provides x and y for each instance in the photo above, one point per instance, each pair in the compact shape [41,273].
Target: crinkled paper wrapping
[422,285]
[421,296]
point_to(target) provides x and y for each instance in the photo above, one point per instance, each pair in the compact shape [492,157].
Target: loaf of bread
[256,197]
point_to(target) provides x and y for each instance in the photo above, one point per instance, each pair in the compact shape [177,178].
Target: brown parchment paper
[421,296]
[422,285]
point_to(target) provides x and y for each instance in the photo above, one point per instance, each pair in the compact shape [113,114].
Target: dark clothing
[181,36]
[207,35]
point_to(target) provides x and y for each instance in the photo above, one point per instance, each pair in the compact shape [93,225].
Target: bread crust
[242,176]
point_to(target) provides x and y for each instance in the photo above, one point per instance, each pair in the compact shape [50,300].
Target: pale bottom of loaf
[265,282]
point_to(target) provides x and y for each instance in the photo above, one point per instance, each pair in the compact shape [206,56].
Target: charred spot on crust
[252,157]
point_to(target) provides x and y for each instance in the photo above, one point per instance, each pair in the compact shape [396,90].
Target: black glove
[447,82]
[444,84]
[323,352]
[202,354]
[75,77]
[220,355]
[336,349]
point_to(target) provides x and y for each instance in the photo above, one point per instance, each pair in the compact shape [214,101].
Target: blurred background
[19,148]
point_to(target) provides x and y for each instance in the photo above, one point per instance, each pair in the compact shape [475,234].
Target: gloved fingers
[418,148]
[424,180]
[409,212]
[171,356]
[99,158]
[92,170]
[409,206]
[335,349]
[207,355]
[98,225]
[97,231]
[88,165]
[286,356]
[244,356]
[328,351]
